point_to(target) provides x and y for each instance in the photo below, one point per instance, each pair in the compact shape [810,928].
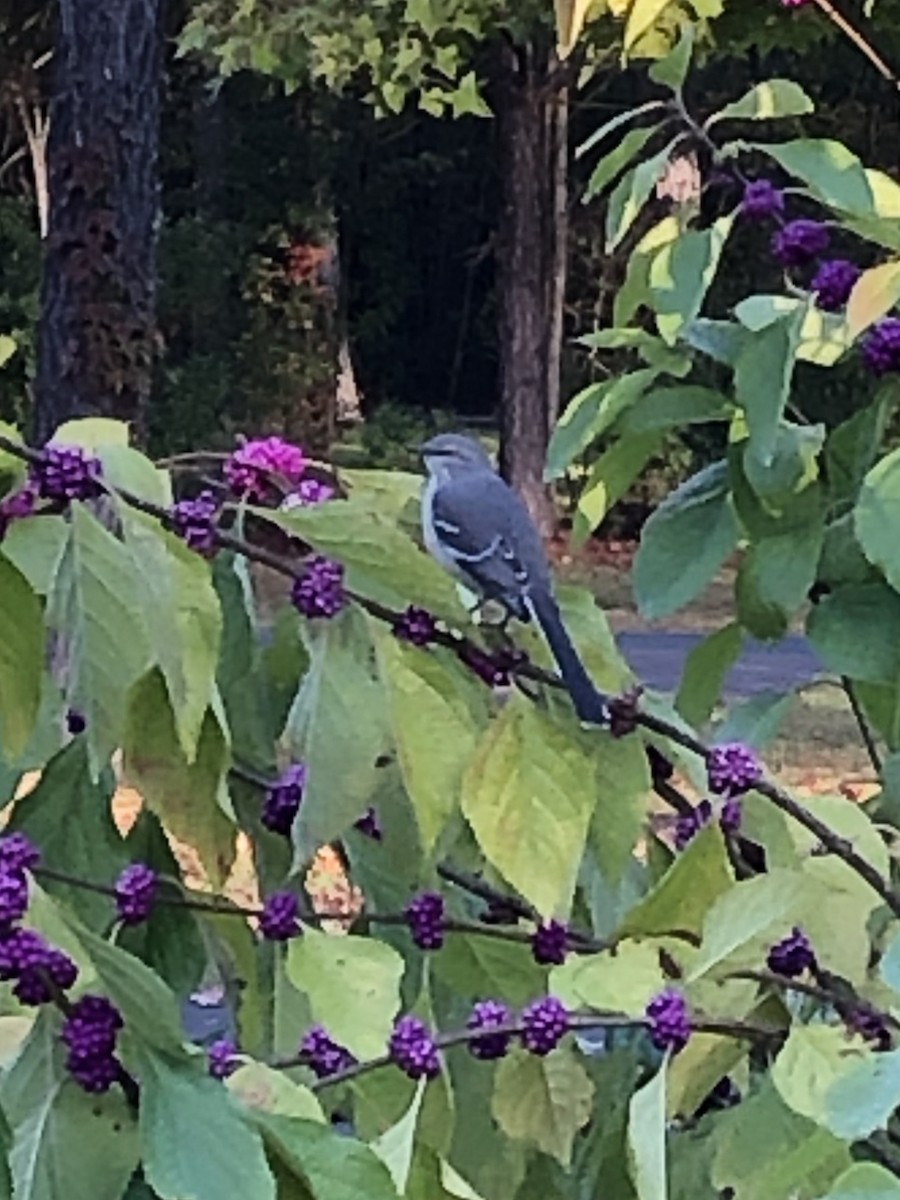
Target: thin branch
[865,730]
[859,41]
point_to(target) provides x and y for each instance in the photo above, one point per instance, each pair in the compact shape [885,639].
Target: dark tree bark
[97,326]
[531,107]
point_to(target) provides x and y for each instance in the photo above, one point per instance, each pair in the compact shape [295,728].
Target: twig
[859,41]
[865,730]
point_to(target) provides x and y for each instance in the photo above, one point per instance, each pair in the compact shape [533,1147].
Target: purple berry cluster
[881,347]
[689,824]
[18,505]
[247,472]
[135,892]
[732,769]
[668,1022]
[369,825]
[762,200]
[412,1048]
[799,242]
[833,282]
[195,522]
[322,1054]
[90,1032]
[66,473]
[279,919]
[792,955]
[221,1058]
[307,493]
[425,917]
[489,1016]
[545,1022]
[283,800]
[871,1026]
[549,942]
[416,626]
[319,592]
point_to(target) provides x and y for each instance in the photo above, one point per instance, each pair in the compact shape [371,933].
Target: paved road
[658,659]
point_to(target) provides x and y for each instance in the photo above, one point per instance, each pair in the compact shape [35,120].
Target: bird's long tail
[590,704]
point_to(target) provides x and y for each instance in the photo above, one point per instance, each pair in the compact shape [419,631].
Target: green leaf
[92,433]
[851,448]
[195,1143]
[705,671]
[528,795]
[877,513]
[380,561]
[775,577]
[543,1101]
[772,98]
[684,543]
[632,192]
[617,122]
[428,691]
[65,1143]
[850,822]
[681,273]
[748,913]
[616,160]
[647,1138]
[353,986]
[621,982]
[395,1146]
[340,693]
[642,16]
[95,609]
[874,294]
[69,816]
[865,1181]
[332,1167]
[719,340]
[673,408]
[672,70]
[589,414]
[611,476]
[622,787]
[684,895]
[476,966]
[756,721]
[812,1068]
[762,381]
[855,631]
[834,175]
[263,1089]
[800,1159]
[35,548]
[21,659]
[186,796]
[184,622]
[149,1008]
[7,348]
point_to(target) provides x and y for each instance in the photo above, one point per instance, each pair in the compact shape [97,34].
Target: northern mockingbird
[479,530]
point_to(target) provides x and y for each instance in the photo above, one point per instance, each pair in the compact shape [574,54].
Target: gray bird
[479,530]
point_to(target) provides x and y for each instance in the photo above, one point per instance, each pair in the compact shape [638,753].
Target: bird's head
[448,453]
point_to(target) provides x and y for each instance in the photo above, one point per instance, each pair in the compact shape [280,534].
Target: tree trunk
[97,325]
[531,119]
[558,114]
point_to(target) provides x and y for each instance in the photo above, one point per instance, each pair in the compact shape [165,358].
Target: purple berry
[369,825]
[689,824]
[799,242]
[90,1031]
[221,1058]
[278,921]
[881,346]
[75,722]
[319,592]
[21,950]
[870,1025]
[732,769]
[730,816]
[833,283]
[283,800]
[67,473]
[33,986]
[413,1049]
[416,626]
[135,893]
[20,504]
[308,492]
[13,895]
[545,1023]
[668,1022]
[18,853]
[195,522]
[762,199]
[489,1015]
[792,955]
[322,1054]
[548,943]
[425,917]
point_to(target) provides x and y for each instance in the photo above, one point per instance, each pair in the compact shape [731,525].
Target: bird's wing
[483,525]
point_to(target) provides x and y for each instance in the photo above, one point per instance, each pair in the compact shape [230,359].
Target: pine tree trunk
[97,325]
[531,119]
